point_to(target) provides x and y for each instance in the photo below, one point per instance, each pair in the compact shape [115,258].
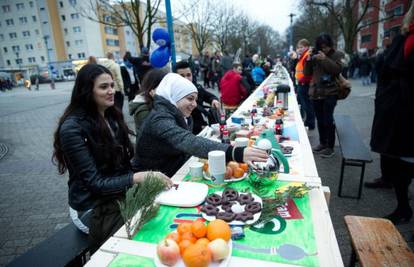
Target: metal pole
[291,15]
[170,32]
[52,80]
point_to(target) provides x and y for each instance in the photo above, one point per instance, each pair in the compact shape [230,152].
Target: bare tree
[225,25]
[349,16]
[139,16]
[200,18]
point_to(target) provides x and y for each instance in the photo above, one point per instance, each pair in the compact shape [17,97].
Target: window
[81,55]
[65,30]
[9,22]
[8,62]
[16,48]
[366,38]
[23,20]
[5,49]
[111,30]
[19,61]
[20,6]
[67,43]
[112,42]
[1,37]
[6,8]
[70,56]
[31,59]
[34,18]
[72,2]
[29,47]
[78,42]
[60,3]
[399,10]
[63,17]
[42,9]
[77,29]
[37,32]
[31,4]
[74,16]
[42,58]
[13,35]
[26,33]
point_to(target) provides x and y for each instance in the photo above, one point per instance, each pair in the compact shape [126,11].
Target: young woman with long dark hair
[92,143]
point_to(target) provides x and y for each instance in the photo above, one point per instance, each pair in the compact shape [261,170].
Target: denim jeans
[306,104]
[324,109]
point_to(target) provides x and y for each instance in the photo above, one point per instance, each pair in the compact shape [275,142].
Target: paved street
[33,197]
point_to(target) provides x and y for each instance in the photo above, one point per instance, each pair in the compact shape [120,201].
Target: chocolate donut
[245,199]
[253,207]
[244,216]
[210,210]
[230,194]
[214,199]
[226,216]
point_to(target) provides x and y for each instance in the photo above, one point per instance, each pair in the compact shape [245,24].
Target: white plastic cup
[241,142]
[196,169]
[217,166]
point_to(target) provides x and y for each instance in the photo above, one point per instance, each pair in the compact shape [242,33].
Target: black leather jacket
[94,174]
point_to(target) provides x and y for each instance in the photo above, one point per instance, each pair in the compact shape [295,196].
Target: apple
[168,252]
[219,249]
[229,173]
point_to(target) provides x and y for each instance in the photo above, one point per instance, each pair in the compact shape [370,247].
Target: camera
[326,80]
[314,52]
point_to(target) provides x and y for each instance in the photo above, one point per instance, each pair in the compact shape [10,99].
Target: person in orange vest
[303,82]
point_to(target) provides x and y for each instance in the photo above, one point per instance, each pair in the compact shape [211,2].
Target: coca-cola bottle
[226,138]
[222,123]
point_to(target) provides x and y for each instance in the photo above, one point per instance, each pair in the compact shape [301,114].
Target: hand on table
[140,176]
[254,154]
[215,104]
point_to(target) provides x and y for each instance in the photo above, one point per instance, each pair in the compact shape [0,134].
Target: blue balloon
[160,57]
[161,37]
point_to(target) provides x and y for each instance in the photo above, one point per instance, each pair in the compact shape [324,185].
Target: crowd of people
[92,140]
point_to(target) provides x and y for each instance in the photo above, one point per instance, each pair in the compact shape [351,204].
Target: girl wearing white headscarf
[166,142]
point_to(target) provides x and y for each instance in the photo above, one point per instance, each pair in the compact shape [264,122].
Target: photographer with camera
[324,65]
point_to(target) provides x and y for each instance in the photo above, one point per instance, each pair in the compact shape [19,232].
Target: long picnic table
[307,237]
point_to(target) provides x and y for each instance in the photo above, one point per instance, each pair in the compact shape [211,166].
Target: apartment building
[389,16]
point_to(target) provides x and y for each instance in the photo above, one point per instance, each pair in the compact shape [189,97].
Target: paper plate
[180,263]
[256,216]
[208,177]
[186,194]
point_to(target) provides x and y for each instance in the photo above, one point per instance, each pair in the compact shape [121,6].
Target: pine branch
[139,200]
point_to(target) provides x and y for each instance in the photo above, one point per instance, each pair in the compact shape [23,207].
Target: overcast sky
[275,13]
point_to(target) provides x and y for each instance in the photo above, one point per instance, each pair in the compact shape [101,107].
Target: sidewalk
[374,202]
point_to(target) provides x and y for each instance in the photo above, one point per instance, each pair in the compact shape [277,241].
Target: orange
[203,241]
[183,245]
[244,166]
[238,172]
[197,256]
[188,236]
[183,228]
[174,236]
[233,165]
[205,167]
[198,228]
[218,229]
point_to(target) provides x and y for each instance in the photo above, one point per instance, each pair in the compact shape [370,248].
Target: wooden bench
[67,247]
[376,242]
[354,152]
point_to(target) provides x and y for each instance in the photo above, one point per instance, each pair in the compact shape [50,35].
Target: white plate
[180,263]
[187,194]
[256,216]
[207,177]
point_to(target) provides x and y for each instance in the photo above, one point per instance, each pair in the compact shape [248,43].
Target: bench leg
[353,260]
[361,180]
[341,179]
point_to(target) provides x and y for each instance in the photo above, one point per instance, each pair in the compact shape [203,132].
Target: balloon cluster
[160,56]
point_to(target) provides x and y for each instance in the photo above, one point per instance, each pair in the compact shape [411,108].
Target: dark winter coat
[392,131]
[166,141]
[203,97]
[94,175]
[323,74]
